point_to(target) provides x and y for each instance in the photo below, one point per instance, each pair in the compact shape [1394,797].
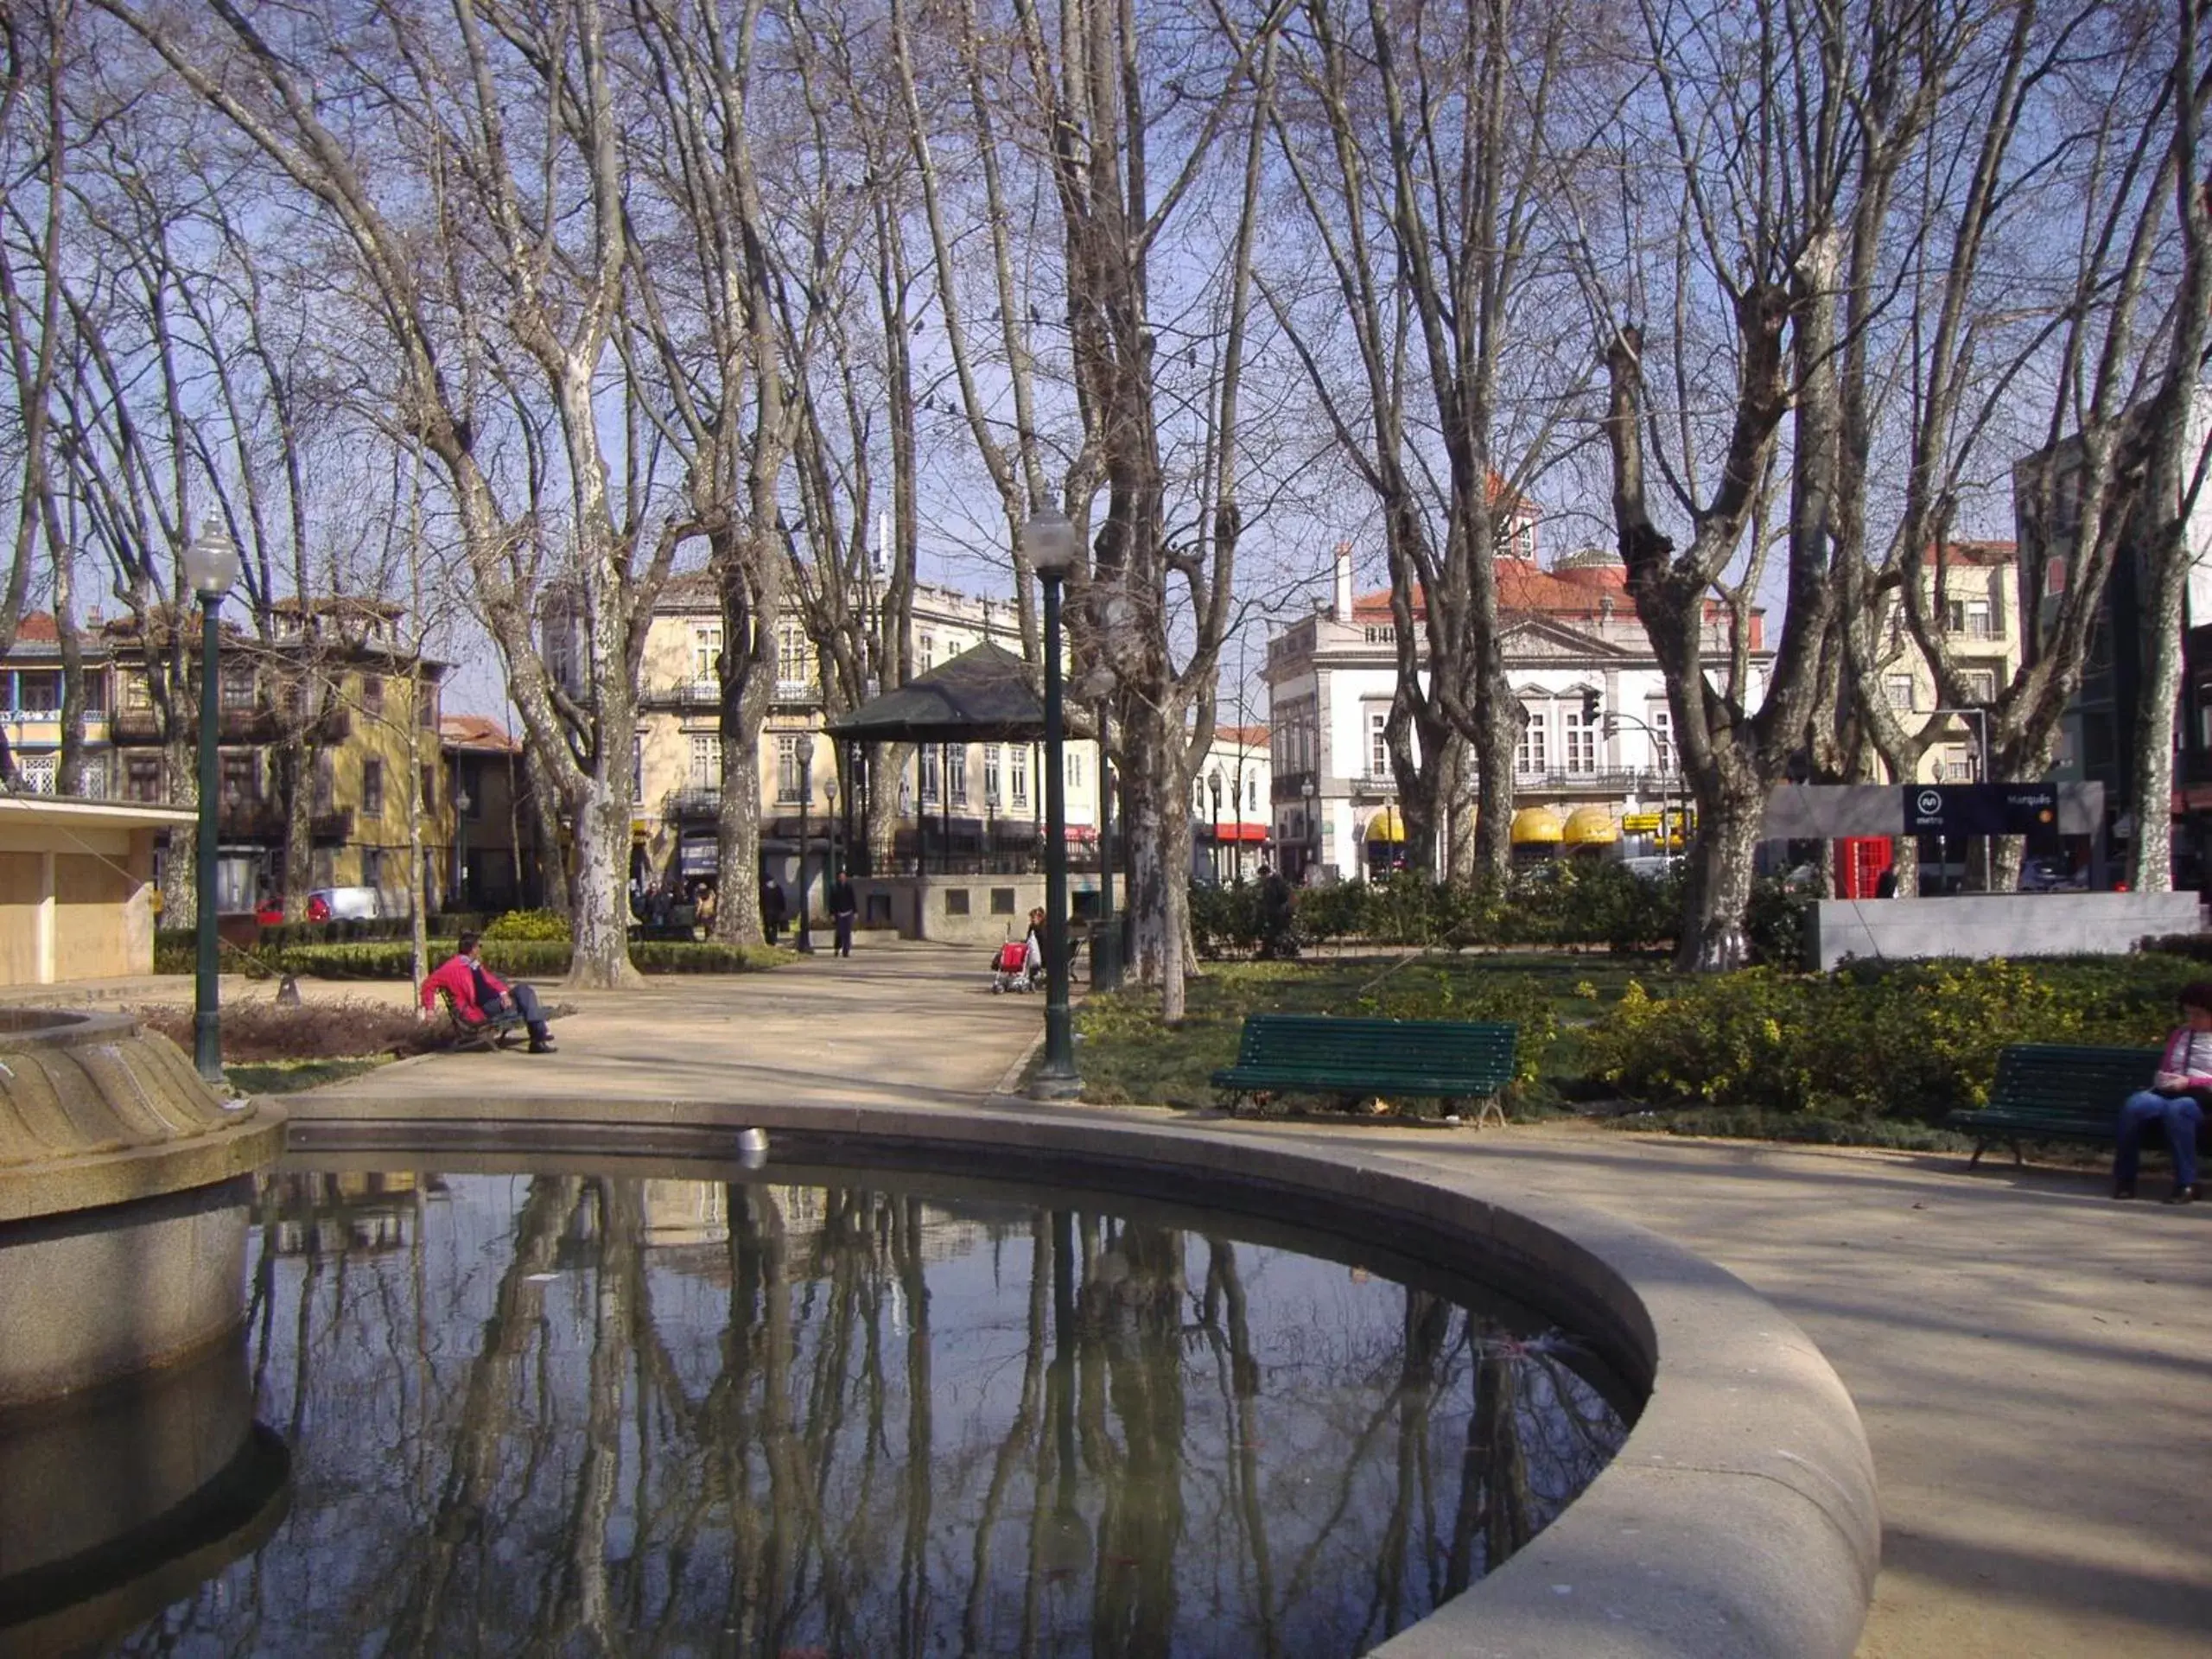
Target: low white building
[1596,762]
[1232,807]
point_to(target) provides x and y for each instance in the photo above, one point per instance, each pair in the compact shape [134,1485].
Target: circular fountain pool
[797,1411]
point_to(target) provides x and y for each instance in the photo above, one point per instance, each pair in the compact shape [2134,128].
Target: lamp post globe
[211,565]
[1048,543]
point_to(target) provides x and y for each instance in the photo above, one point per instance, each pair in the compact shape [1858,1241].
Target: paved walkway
[2033,1362]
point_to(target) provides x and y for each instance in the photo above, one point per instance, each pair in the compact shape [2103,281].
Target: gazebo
[980,891]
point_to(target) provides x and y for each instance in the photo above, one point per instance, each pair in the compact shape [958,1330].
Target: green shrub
[1225,919]
[1910,1040]
[509,958]
[540,926]
[1331,912]
[1776,922]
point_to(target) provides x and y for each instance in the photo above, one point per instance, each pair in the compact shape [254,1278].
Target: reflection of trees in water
[541,1425]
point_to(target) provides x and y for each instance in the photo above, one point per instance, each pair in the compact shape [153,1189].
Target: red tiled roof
[1986,553]
[1524,585]
[476,731]
[36,628]
[1250,737]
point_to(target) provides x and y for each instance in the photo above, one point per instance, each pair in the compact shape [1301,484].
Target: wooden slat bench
[486,1031]
[2048,1092]
[1348,1058]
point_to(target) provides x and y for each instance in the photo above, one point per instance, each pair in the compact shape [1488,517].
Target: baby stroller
[1010,969]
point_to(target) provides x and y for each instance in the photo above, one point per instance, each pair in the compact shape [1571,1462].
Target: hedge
[509,958]
[1907,1039]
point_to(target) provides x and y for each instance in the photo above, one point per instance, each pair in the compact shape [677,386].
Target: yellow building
[974,788]
[1981,621]
[372,698]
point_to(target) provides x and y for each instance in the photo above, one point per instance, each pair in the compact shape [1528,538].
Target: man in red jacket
[478,993]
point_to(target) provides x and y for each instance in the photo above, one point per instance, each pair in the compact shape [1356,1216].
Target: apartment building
[1232,810]
[1596,761]
[1979,616]
[974,797]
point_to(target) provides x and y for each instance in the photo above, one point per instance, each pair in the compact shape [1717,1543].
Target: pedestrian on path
[844,907]
[772,908]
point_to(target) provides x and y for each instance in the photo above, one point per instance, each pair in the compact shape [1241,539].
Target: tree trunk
[2151,865]
[1722,869]
[599,925]
[180,882]
[737,842]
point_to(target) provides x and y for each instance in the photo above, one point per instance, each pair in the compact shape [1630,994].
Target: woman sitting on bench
[2174,1100]
[479,994]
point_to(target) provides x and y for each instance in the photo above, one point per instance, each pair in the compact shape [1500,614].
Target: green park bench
[2048,1091]
[1323,1054]
[485,1030]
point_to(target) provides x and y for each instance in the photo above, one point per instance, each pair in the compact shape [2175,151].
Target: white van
[344,905]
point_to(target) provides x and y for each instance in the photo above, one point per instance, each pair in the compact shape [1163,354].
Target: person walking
[844,907]
[1277,943]
[478,993]
[772,908]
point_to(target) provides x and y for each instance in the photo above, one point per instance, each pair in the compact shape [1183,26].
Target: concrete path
[2033,1362]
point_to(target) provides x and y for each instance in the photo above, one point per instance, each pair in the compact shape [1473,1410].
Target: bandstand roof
[982,695]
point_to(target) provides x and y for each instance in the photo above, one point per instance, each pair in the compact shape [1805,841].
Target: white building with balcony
[1571,631]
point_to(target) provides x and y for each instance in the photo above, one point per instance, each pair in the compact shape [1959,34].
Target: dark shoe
[2182,1195]
[542,1047]
[2127,1191]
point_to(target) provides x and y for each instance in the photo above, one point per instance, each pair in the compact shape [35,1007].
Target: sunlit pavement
[2033,1362]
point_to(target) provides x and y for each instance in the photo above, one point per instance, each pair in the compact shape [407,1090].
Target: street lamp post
[211,565]
[804,942]
[1048,543]
[1214,782]
[462,803]
[830,789]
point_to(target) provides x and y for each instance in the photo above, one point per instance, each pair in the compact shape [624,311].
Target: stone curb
[1738,1519]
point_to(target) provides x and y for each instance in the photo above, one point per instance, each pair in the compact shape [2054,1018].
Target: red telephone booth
[1859,862]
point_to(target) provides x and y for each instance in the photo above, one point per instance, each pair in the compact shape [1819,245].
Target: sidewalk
[2033,1362]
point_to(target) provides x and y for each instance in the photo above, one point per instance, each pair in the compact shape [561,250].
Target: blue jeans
[2180,1116]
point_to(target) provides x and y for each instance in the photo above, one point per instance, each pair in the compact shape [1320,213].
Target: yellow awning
[1385,825]
[1590,826]
[1536,826]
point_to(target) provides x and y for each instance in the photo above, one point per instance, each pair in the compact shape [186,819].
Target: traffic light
[1592,704]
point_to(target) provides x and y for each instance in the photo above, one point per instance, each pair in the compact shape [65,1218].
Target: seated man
[478,993]
[2174,1101]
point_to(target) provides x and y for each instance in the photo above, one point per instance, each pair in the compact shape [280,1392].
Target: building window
[326,788]
[372,788]
[137,694]
[1970,617]
[926,647]
[787,778]
[1017,784]
[37,771]
[1898,688]
[638,767]
[95,692]
[930,759]
[241,785]
[1252,792]
[238,685]
[956,772]
[706,654]
[426,706]
[1533,754]
[373,694]
[1661,720]
[1074,769]
[429,787]
[37,695]
[707,761]
[991,795]
[142,776]
[1980,684]
[791,664]
[1378,742]
[372,867]
[1581,736]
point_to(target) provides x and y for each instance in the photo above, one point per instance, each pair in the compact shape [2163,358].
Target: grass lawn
[1128,1057]
[290,1076]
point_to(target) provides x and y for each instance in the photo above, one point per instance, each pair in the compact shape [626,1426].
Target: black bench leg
[1980,1145]
[2019,1159]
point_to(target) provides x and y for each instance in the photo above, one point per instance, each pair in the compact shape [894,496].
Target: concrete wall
[1994,924]
[75,896]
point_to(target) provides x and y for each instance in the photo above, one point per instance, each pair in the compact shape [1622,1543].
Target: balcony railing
[697,802]
[258,725]
[256,817]
[1612,780]
[685,694]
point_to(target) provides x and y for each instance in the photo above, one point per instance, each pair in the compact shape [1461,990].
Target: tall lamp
[1048,543]
[804,942]
[1313,830]
[211,565]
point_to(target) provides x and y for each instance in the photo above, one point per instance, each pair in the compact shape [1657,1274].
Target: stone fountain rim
[1738,1519]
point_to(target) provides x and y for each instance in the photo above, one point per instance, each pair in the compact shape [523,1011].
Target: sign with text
[1980,809]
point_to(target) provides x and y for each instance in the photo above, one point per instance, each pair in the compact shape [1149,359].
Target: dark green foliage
[1775,922]
[1876,1040]
[509,958]
[1572,901]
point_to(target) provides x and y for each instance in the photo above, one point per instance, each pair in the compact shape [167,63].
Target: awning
[1590,826]
[1537,826]
[1253,833]
[1386,825]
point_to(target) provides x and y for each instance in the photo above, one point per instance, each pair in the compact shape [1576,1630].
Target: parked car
[269,913]
[344,905]
[2050,874]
